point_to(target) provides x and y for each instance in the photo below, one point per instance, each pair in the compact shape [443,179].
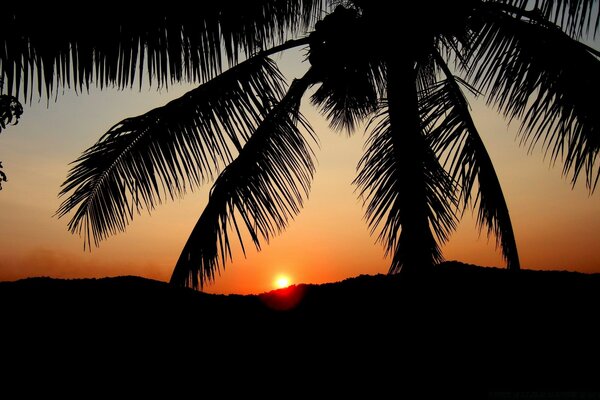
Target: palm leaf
[264,186]
[539,74]
[403,185]
[348,67]
[456,140]
[141,161]
[576,17]
[53,49]
[349,96]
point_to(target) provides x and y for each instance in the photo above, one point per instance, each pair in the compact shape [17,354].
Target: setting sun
[282,282]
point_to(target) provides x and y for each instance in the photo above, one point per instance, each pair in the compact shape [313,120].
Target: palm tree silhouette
[402,68]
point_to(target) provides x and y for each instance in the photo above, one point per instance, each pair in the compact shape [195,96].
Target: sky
[556,226]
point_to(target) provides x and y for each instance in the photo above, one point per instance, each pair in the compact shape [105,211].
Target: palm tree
[404,69]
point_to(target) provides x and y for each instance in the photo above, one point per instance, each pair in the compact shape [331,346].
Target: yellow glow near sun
[282,281]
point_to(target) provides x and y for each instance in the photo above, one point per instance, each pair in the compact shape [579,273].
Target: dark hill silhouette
[456,327]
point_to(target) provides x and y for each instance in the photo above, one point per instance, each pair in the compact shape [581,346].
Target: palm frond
[426,72]
[264,186]
[348,97]
[576,17]
[51,49]
[402,183]
[141,161]
[539,74]
[393,198]
[350,72]
[456,140]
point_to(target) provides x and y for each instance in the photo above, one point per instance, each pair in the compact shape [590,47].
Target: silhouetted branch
[549,81]
[400,177]
[50,48]
[265,185]
[455,136]
[143,160]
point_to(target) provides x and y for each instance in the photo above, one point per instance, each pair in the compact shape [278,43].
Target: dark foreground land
[457,328]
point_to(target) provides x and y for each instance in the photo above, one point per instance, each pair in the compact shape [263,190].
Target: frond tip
[265,186]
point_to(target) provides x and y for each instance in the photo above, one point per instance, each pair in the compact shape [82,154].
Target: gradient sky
[556,227]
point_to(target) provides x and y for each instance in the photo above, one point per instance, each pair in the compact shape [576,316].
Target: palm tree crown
[404,69]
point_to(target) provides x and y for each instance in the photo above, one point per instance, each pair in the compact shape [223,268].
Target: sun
[282,281]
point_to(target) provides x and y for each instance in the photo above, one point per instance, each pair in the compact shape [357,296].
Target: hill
[457,326]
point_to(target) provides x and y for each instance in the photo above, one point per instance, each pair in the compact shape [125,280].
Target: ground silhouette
[457,327]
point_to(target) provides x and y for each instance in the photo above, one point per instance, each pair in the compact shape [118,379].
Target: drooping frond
[456,140]
[348,97]
[51,48]
[264,187]
[539,74]
[351,74]
[407,191]
[390,195]
[141,161]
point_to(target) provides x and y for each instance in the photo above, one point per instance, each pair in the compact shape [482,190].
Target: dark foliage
[10,112]
[50,48]
[142,161]
[266,185]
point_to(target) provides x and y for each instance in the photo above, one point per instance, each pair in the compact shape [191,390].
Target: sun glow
[282,281]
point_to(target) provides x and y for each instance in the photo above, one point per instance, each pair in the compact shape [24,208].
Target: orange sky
[556,227]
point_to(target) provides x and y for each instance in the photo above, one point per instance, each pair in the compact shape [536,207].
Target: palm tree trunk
[416,246]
